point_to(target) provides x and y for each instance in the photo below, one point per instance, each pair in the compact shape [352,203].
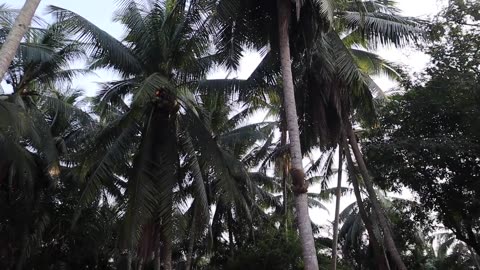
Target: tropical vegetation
[167,168]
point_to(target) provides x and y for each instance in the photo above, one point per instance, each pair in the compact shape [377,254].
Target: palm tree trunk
[191,242]
[301,202]
[140,264]
[166,251]
[157,260]
[337,209]
[129,260]
[377,208]
[378,253]
[230,233]
[20,27]
[283,143]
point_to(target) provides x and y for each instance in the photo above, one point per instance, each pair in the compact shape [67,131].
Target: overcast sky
[100,13]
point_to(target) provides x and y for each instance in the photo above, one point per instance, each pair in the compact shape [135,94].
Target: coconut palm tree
[165,136]
[16,34]
[359,251]
[40,126]
[323,113]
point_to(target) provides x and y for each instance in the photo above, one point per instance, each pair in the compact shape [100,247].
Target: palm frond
[107,51]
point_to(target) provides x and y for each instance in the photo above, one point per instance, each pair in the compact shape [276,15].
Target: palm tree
[245,23]
[360,252]
[297,173]
[164,141]
[39,127]
[267,17]
[16,34]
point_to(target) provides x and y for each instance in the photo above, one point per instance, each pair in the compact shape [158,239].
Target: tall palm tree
[246,24]
[164,136]
[16,34]
[249,19]
[39,127]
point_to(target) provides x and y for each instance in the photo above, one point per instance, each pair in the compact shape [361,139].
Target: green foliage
[428,139]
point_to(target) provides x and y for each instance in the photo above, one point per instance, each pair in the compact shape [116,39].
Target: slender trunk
[129,260]
[23,252]
[283,143]
[157,260]
[373,234]
[230,232]
[301,201]
[140,264]
[191,242]
[377,231]
[337,209]
[166,251]
[20,27]
[377,208]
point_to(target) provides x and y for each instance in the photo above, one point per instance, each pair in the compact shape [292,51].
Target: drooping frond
[106,50]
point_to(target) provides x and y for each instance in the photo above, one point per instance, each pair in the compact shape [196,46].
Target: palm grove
[162,169]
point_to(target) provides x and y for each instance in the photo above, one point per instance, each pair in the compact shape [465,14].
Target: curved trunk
[19,29]
[377,208]
[301,201]
[337,209]
[378,252]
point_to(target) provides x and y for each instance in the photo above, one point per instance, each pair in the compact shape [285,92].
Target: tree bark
[157,260]
[166,251]
[283,143]
[191,242]
[337,208]
[378,253]
[301,201]
[19,29]
[230,233]
[129,260]
[140,264]
[377,208]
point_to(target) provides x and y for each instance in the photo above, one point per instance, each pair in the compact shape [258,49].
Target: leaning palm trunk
[297,173]
[337,209]
[20,27]
[374,235]
[377,208]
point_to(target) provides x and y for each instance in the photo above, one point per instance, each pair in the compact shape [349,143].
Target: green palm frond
[111,148]
[107,51]
[329,193]
[383,28]
[327,8]
[200,192]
